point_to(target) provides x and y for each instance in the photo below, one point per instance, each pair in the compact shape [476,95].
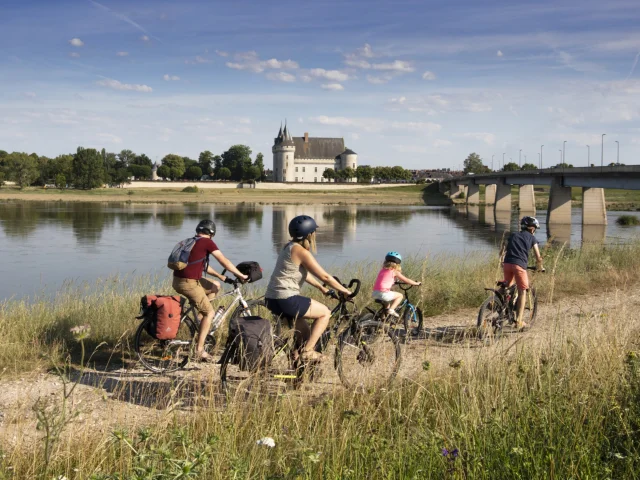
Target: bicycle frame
[239,299]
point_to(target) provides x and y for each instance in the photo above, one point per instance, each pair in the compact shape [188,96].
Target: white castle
[304,159]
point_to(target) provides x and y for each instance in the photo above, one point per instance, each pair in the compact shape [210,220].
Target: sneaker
[393,313]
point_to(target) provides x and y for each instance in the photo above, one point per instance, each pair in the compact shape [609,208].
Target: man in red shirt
[198,290]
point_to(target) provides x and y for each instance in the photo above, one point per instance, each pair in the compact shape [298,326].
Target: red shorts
[512,271]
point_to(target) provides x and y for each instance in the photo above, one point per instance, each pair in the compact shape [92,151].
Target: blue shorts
[289,308]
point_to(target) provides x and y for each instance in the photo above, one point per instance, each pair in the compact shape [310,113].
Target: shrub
[193,189]
[628,220]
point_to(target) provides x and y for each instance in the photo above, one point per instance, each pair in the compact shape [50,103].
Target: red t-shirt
[200,250]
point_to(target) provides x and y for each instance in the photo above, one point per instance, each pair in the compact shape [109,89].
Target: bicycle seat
[502,284]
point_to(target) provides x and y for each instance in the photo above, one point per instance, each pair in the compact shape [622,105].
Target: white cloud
[357,63]
[122,54]
[488,138]
[378,80]
[476,107]
[222,53]
[281,77]
[74,55]
[110,138]
[366,51]
[333,75]
[440,143]
[499,54]
[30,94]
[395,66]
[145,38]
[377,125]
[355,136]
[197,60]
[428,75]
[427,127]
[410,149]
[306,78]
[169,78]
[76,42]
[332,86]
[251,61]
[116,85]
[357,59]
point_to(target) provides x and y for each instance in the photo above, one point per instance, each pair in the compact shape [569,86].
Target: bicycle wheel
[368,355]
[489,317]
[165,356]
[531,307]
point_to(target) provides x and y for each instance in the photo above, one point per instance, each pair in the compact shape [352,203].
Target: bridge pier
[594,208]
[490,194]
[503,198]
[473,194]
[527,199]
[455,190]
[559,209]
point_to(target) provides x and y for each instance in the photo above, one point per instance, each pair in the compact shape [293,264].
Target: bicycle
[166,356]
[500,308]
[407,312]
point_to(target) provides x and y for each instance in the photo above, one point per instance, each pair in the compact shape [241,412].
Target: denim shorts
[289,308]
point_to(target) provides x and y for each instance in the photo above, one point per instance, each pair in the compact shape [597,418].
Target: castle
[304,159]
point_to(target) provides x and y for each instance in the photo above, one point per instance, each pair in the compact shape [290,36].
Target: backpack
[249,344]
[179,258]
[164,313]
[251,270]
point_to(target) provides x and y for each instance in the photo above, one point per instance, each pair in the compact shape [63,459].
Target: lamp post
[520,158]
[618,160]
[492,156]
[602,152]
[525,159]
[564,158]
[588,156]
[541,156]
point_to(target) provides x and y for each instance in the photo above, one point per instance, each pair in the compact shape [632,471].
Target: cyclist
[387,276]
[295,266]
[200,291]
[516,260]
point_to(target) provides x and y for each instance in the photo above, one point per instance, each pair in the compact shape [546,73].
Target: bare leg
[205,324]
[520,304]
[396,301]
[320,315]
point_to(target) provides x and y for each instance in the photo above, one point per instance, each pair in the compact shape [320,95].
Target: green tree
[141,172]
[529,166]
[193,173]
[382,174]
[259,164]
[142,160]
[511,167]
[329,174]
[88,169]
[364,173]
[127,157]
[568,165]
[175,164]
[217,165]
[398,173]
[224,173]
[237,159]
[61,181]
[473,164]
[204,162]
[346,174]
[22,168]
[164,172]
[253,173]
[2,179]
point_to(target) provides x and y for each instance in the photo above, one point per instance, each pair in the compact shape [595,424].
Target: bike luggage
[164,313]
[250,343]
[251,270]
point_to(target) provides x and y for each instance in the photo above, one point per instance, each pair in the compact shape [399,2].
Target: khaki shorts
[196,291]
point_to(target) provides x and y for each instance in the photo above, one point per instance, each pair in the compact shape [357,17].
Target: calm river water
[43,244]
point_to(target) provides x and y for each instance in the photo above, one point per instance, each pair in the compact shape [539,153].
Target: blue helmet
[301,226]
[394,257]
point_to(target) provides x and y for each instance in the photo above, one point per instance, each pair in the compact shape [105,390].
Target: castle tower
[348,158]
[283,153]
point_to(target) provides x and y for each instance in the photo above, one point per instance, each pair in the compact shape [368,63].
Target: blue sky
[416,83]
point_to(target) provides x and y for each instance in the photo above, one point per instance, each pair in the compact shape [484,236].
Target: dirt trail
[109,399]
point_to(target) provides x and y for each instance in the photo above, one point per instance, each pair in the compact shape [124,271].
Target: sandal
[311,356]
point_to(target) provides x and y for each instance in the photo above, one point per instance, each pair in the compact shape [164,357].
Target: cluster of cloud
[76,42]
[363,59]
[251,61]
[116,85]
[374,125]
[442,103]
[170,78]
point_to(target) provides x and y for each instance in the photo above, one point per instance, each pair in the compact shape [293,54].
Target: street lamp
[602,152]
[539,163]
[564,158]
[541,155]
[492,156]
[520,158]
[618,161]
[588,156]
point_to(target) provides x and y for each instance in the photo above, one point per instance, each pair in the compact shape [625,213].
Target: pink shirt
[385,280]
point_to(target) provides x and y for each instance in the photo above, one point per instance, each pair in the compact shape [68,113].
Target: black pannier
[251,270]
[250,343]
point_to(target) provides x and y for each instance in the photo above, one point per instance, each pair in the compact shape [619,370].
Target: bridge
[592,180]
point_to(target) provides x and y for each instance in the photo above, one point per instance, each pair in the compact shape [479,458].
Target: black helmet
[301,226]
[206,227]
[527,222]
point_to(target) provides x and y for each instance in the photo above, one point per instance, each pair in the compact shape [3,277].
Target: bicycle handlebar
[536,269]
[405,286]
[354,281]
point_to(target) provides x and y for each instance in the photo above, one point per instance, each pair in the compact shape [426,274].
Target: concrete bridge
[592,180]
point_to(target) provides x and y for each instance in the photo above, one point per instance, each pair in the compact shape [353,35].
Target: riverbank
[386,195]
[559,401]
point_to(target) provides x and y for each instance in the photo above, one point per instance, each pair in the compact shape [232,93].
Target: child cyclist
[516,260]
[387,276]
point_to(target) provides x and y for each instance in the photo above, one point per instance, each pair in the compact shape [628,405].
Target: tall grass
[35,329]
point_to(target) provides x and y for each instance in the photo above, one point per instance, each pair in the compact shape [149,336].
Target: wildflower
[445,452]
[80,332]
[454,453]
[267,442]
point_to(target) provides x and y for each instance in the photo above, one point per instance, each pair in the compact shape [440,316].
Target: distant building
[304,159]
[154,172]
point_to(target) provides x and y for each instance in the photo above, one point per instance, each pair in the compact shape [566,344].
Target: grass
[628,220]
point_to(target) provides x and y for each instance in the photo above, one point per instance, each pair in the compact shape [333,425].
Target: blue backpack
[179,258]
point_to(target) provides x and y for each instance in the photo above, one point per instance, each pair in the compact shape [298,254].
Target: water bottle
[217,319]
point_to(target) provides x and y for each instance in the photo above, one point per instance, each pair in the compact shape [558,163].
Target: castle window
[354,165]
[315,179]
[286,157]
[316,169]
[296,179]
[303,169]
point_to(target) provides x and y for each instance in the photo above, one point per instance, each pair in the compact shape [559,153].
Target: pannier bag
[179,258]
[164,313]
[251,270]
[250,343]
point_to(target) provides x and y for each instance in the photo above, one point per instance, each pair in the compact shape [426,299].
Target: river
[45,244]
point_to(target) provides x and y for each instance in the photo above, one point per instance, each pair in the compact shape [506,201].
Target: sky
[416,83]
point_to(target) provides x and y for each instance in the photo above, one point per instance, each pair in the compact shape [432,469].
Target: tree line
[366,173]
[474,164]
[89,168]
